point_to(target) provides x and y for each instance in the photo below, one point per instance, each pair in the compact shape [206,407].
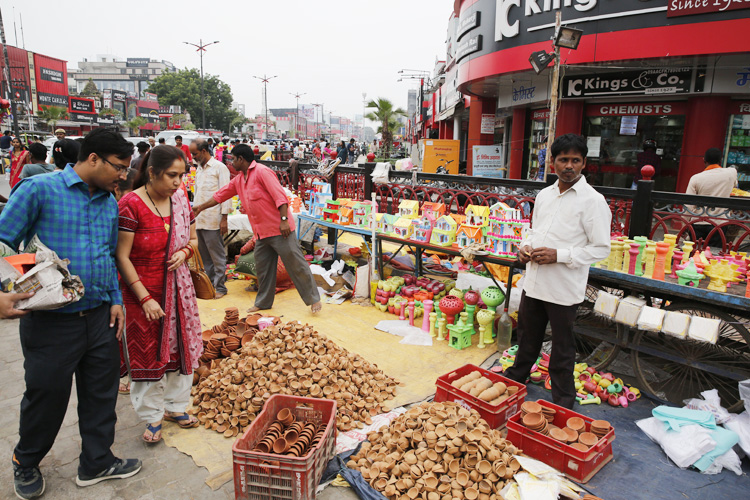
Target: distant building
[411,107]
[132,75]
[240,108]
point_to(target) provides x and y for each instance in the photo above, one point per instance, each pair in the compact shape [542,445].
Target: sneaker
[27,481]
[120,469]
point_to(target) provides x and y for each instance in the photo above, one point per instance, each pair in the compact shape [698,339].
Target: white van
[187,136]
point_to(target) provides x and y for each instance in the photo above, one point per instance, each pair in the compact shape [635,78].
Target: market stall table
[338,229]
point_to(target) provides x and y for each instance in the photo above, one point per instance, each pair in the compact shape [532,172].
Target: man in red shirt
[266,205]
[185,149]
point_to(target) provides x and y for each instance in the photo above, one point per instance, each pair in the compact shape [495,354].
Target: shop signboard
[46,99]
[119,95]
[468,23]
[526,89]
[148,96]
[440,153]
[488,161]
[626,83]
[732,76]
[51,80]
[137,62]
[488,124]
[468,46]
[677,8]
[149,111]
[637,109]
[51,75]
[740,108]
[81,105]
[32,82]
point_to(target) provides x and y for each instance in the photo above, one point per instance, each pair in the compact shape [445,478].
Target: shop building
[132,75]
[676,73]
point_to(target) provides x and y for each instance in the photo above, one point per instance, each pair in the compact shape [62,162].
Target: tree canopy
[387,116]
[183,88]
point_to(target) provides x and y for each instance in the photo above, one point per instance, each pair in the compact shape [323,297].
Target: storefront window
[616,141]
[737,150]
[539,122]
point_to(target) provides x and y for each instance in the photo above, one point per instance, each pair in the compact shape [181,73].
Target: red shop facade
[663,71]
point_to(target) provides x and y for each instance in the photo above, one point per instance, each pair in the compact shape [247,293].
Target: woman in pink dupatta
[162,339]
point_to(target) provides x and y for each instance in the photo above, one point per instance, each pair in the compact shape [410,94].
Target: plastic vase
[676,259]
[641,240]
[433,319]
[634,249]
[427,304]
[747,289]
[626,256]
[373,291]
[650,255]
[411,313]
[671,239]
[687,250]
[441,328]
[661,253]
[485,318]
[470,314]
[618,255]
[402,308]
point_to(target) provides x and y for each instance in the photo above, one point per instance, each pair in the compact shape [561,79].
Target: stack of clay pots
[437,451]
[296,360]
[285,436]
[483,388]
[539,419]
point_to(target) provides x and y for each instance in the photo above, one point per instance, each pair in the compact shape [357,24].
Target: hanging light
[568,38]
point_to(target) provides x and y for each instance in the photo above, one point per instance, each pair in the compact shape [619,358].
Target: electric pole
[6,77]
[296,120]
[202,48]
[265,79]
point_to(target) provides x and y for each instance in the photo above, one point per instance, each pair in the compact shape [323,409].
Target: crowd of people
[128,230]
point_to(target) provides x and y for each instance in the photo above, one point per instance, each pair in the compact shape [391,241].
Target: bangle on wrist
[146,299]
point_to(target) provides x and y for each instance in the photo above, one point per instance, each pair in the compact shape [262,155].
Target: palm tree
[52,115]
[136,123]
[386,115]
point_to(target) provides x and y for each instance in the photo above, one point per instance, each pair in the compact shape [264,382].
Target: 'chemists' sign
[679,8]
[640,82]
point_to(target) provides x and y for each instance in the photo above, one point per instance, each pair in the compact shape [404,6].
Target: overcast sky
[332,50]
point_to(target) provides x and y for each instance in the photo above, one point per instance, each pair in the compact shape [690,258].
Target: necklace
[166,225]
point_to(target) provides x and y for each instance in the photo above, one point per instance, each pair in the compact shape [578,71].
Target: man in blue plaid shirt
[74,213]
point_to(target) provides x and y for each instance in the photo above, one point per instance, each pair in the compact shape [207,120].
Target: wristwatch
[284,217]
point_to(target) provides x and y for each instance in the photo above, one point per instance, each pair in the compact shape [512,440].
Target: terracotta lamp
[451,305]
[492,296]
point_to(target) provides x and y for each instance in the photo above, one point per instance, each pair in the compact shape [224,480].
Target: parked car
[187,136]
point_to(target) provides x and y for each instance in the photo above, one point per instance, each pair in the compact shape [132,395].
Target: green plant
[387,116]
[51,115]
[136,123]
[115,113]
[188,126]
[90,89]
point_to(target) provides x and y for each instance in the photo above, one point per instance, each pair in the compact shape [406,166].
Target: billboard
[137,62]
[51,78]
[440,153]
[82,105]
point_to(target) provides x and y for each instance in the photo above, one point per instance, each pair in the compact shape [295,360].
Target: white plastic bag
[741,425]
[380,173]
[710,402]
[683,447]
[362,284]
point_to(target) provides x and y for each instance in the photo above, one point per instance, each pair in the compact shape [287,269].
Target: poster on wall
[488,161]
[595,145]
[628,125]
[488,124]
[440,153]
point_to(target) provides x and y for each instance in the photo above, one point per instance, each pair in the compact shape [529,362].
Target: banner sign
[467,24]
[468,46]
[46,99]
[639,82]
[81,105]
[488,161]
[677,8]
[137,62]
[50,75]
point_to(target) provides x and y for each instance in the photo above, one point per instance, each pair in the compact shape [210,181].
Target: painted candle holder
[433,319]
[450,306]
[689,275]
[441,328]
[633,260]
[650,257]
[687,251]
[617,266]
[492,297]
[676,259]
[427,304]
[721,273]
[485,319]
[411,313]
[671,239]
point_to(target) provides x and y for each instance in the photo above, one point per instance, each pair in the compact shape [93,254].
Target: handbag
[204,288]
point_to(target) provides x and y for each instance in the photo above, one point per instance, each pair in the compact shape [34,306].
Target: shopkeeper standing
[570,230]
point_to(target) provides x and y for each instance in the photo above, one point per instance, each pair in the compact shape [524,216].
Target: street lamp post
[265,79]
[316,120]
[364,107]
[296,119]
[200,47]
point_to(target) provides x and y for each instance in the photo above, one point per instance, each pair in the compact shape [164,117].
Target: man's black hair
[177,137]
[712,156]
[210,140]
[162,140]
[244,151]
[569,143]
[105,142]
[38,151]
[65,151]
[202,145]
[7,132]
[143,146]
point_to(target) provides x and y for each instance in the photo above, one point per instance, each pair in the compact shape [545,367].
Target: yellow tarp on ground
[351,327]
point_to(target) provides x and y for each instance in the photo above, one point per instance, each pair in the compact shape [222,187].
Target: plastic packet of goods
[651,319]
[704,329]
[676,324]
[629,310]
[606,304]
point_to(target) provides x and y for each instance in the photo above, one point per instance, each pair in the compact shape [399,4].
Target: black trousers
[56,346]
[533,316]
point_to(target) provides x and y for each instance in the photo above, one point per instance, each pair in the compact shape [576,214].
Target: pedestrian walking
[37,164]
[570,230]
[352,150]
[210,176]
[19,156]
[74,214]
[266,205]
[162,340]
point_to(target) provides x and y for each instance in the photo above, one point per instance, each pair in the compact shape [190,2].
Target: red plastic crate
[496,416]
[577,465]
[267,476]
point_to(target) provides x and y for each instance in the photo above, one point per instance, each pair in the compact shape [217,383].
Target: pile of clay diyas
[289,437]
[483,388]
[539,419]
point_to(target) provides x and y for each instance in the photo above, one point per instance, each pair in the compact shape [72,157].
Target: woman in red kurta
[19,156]
[162,338]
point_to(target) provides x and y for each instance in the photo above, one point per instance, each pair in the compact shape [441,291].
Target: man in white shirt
[713,181]
[210,176]
[570,230]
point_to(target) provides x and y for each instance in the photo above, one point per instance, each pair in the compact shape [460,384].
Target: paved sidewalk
[166,474]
